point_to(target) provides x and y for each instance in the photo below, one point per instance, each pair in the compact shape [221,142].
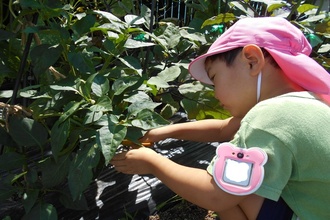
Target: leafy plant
[87,81]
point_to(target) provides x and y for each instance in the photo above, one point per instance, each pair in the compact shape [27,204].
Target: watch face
[237,170]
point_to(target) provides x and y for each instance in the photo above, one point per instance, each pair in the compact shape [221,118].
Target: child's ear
[254,57]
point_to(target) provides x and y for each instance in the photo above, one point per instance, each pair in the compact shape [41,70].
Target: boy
[278,98]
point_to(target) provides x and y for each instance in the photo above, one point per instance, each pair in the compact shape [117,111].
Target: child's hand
[135,161]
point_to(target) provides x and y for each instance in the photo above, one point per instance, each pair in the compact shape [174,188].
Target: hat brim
[197,66]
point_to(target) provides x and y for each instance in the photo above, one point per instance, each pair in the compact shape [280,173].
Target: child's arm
[193,184]
[203,131]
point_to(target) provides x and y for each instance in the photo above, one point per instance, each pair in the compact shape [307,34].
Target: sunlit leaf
[132,63]
[100,85]
[306,7]
[109,138]
[219,19]
[131,44]
[123,83]
[134,19]
[148,119]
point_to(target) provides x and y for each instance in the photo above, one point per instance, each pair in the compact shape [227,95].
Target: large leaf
[109,138]
[200,103]
[43,56]
[81,173]
[165,76]
[81,61]
[100,85]
[148,119]
[54,172]
[59,134]
[78,204]
[70,109]
[132,63]
[131,44]
[11,160]
[42,211]
[220,18]
[123,83]
[29,199]
[27,132]
[84,24]
[136,107]
[5,138]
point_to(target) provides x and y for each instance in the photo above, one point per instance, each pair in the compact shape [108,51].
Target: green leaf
[29,199]
[136,107]
[148,119]
[11,160]
[70,109]
[5,138]
[123,83]
[59,134]
[42,211]
[43,56]
[83,25]
[100,85]
[78,204]
[27,132]
[275,6]
[134,19]
[200,102]
[132,44]
[81,173]
[306,7]
[104,103]
[108,16]
[92,116]
[132,63]
[158,82]
[30,4]
[63,88]
[219,19]
[109,138]
[81,61]
[5,35]
[165,76]
[54,172]
[6,188]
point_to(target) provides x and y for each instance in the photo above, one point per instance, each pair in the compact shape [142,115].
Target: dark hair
[229,56]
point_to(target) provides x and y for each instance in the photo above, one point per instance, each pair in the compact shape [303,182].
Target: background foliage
[79,77]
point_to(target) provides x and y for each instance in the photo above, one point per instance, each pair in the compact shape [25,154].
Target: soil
[185,211]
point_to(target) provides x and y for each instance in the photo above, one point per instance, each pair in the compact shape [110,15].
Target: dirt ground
[185,211]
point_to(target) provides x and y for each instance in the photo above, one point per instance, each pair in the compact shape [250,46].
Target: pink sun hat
[286,43]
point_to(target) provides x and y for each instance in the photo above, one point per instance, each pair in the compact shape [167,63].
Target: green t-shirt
[294,131]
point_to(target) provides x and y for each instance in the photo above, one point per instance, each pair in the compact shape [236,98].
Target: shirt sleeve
[278,168]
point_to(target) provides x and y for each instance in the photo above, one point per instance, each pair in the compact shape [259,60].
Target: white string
[259,86]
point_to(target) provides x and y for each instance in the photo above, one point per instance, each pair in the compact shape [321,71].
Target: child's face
[234,87]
